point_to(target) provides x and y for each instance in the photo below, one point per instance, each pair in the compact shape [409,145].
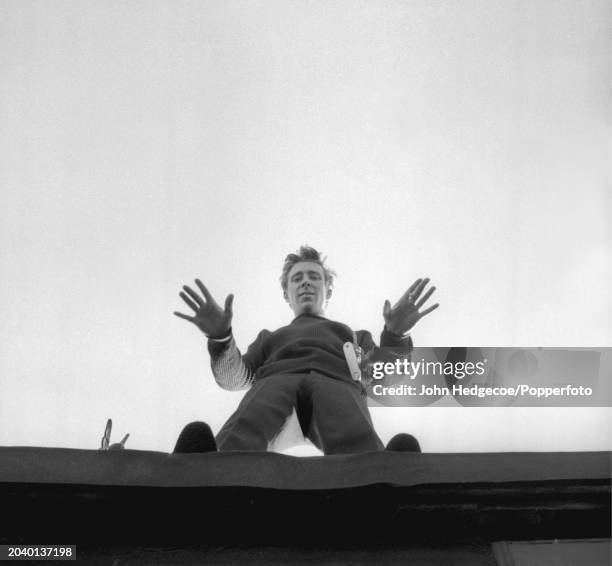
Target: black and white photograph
[298,281]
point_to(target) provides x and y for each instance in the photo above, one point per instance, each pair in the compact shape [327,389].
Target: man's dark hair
[306,253]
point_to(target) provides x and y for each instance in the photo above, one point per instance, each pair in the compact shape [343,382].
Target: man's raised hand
[208,316]
[400,318]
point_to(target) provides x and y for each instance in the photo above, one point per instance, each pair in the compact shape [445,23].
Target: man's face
[307,291]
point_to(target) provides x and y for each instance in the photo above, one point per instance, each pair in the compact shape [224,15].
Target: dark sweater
[310,343]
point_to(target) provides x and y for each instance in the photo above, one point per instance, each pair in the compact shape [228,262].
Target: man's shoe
[403,443]
[195,437]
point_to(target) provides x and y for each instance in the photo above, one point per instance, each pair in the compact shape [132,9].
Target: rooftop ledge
[243,497]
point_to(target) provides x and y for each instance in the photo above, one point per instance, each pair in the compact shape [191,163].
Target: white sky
[145,143]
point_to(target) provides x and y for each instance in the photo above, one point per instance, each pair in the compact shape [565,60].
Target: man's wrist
[226,337]
[395,334]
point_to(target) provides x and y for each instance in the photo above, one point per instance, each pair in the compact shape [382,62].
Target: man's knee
[195,437]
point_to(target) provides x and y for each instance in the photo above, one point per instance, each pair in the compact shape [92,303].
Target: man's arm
[392,346]
[232,370]
[387,340]
[400,318]
[390,340]
[395,342]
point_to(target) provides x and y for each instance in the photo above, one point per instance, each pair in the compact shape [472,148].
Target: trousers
[333,414]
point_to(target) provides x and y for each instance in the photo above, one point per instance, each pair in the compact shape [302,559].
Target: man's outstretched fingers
[229,300]
[419,288]
[406,296]
[425,297]
[386,308]
[193,295]
[414,285]
[189,302]
[181,315]
[204,290]
[432,308]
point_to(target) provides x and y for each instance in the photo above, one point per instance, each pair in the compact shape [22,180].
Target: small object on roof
[106,445]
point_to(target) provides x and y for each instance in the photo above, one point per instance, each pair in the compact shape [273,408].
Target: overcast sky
[145,143]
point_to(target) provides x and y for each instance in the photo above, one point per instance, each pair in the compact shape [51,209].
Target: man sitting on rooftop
[301,366]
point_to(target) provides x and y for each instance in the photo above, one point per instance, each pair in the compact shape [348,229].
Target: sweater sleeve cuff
[220,340]
[218,345]
[226,338]
[389,339]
